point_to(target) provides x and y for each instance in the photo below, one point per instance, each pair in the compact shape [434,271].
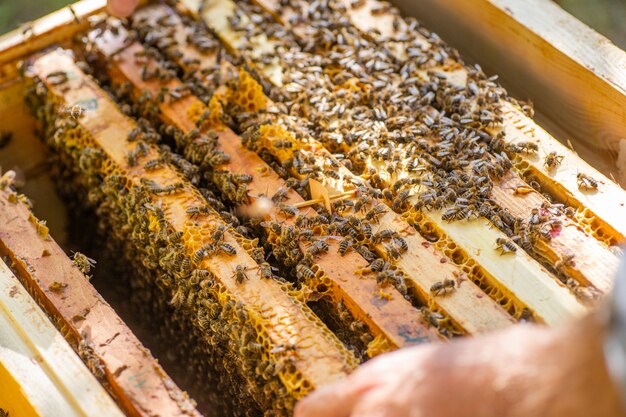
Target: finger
[335,400]
[122,8]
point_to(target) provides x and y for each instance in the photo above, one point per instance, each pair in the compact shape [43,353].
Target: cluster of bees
[398,133]
[166,281]
[422,142]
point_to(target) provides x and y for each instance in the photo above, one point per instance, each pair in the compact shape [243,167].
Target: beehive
[289,189]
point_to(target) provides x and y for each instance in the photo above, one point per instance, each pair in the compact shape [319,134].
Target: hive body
[288,189]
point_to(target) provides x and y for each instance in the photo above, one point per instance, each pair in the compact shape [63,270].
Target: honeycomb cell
[248,93]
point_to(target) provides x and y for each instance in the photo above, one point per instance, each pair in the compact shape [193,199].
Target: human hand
[523,371]
[122,8]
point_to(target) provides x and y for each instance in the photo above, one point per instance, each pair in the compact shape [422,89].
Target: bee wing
[330,237]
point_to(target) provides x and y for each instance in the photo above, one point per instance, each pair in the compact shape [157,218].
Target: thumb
[122,8]
[334,400]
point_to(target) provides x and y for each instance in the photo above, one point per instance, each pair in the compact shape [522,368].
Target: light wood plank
[86,318]
[40,374]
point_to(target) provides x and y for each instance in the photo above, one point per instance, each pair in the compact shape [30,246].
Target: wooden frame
[40,373]
[85,318]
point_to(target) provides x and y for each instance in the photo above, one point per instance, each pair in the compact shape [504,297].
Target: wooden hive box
[249,319]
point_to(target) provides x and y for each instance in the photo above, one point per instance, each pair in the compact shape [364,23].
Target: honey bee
[218,158]
[383,235]
[242,178]
[345,244]
[200,274]
[255,347]
[375,212]
[83,263]
[526,315]
[241,195]
[443,287]
[218,234]
[432,317]
[528,109]
[564,262]
[7,179]
[57,78]
[400,200]
[552,160]
[401,243]
[266,270]
[282,144]
[284,348]
[366,229]
[131,158]
[304,273]
[378,265]
[332,174]
[545,234]
[76,112]
[358,326]
[152,164]
[361,202]
[287,209]
[306,234]
[585,181]
[536,217]
[392,252]
[280,195]
[172,188]
[317,248]
[240,274]
[505,246]
[357,4]
[227,248]
[528,147]
[364,251]
[453,213]
[201,253]
[196,211]
[525,240]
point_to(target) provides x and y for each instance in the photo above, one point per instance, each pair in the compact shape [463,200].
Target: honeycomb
[468,265]
[247,93]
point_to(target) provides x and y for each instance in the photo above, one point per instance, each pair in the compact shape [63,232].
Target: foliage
[13,13]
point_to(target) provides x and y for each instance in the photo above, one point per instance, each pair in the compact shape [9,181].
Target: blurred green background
[606,16]
[15,12]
